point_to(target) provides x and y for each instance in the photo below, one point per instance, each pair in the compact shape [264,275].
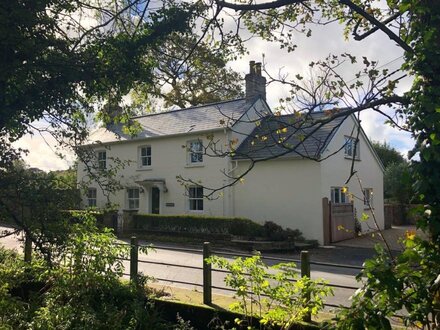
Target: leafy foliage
[83,291]
[215,225]
[185,81]
[197,224]
[34,201]
[387,154]
[275,295]
[398,179]
[60,56]
[393,284]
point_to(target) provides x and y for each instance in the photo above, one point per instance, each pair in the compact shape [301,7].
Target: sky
[325,40]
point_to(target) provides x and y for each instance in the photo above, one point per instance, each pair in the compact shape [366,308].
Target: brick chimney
[255,82]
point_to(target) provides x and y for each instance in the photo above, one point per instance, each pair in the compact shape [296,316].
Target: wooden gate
[338,221]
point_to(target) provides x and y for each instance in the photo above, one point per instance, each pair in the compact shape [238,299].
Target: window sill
[196,211]
[144,169]
[351,158]
[130,210]
[194,165]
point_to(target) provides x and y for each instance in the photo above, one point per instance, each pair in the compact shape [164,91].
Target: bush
[198,224]
[209,225]
[270,296]
[80,290]
[275,232]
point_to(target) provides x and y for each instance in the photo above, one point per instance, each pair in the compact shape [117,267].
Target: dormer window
[351,147]
[195,152]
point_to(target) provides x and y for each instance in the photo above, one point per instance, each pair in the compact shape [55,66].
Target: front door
[155,200]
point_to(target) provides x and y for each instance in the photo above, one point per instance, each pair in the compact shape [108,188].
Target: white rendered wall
[336,169]
[169,159]
[286,191]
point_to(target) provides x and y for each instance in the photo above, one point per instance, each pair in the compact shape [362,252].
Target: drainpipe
[231,191]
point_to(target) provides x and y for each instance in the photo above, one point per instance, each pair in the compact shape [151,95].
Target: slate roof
[194,119]
[289,136]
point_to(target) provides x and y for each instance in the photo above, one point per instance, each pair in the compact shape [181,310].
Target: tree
[409,281]
[184,71]
[397,176]
[61,57]
[398,183]
[412,25]
[387,154]
[36,202]
[61,60]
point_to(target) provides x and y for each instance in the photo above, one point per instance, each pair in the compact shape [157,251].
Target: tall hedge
[198,224]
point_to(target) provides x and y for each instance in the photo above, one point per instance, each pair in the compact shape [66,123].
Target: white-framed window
[339,195]
[368,197]
[195,199]
[102,159]
[195,152]
[351,147]
[133,198]
[91,197]
[144,156]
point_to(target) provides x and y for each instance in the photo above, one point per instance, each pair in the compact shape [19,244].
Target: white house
[296,161]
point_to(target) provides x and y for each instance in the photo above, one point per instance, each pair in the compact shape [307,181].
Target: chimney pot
[258,69]
[255,82]
[252,67]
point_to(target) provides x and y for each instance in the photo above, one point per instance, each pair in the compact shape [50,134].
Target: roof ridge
[189,108]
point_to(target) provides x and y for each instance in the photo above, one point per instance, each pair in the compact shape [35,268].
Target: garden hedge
[198,224]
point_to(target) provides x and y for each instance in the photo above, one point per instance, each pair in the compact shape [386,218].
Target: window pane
[337,196]
[348,147]
[195,152]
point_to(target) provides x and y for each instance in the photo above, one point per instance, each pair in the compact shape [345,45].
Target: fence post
[27,248]
[207,275]
[134,256]
[305,271]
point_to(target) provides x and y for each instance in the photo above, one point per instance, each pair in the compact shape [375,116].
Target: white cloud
[42,153]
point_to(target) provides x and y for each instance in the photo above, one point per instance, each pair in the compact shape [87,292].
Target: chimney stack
[255,82]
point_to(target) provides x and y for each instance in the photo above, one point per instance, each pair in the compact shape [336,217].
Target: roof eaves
[189,108]
[157,137]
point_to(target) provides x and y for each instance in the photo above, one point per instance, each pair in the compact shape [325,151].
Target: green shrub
[79,290]
[275,232]
[271,296]
[198,224]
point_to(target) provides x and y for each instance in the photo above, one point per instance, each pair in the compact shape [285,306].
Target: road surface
[174,274]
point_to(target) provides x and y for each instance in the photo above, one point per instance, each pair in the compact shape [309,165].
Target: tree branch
[377,24]
[259,6]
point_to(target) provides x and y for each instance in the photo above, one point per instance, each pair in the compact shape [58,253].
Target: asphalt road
[153,265]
